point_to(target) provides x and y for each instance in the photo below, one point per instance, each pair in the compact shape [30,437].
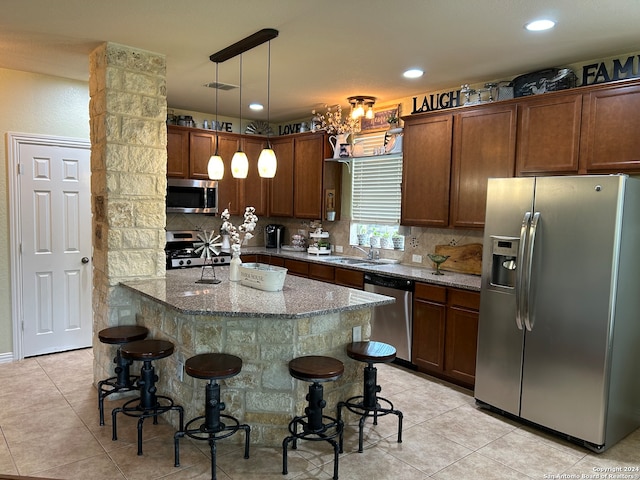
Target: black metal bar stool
[315,369]
[369,404]
[148,404]
[212,367]
[123,381]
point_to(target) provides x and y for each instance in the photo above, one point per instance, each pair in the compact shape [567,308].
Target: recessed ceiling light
[413,73]
[256,106]
[539,25]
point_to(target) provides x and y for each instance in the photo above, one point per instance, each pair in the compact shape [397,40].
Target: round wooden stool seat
[213,366]
[371,352]
[147,350]
[123,334]
[316,368]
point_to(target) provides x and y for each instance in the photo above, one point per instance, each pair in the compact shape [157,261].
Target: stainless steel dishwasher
[393,323]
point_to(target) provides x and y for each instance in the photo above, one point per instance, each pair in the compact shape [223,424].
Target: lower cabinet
[445,332]
[349,278]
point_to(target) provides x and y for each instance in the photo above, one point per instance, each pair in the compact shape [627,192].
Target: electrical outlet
[339,249]
[357,334]
[416,258]
[180,371]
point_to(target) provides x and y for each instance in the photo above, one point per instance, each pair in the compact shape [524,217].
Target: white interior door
[54,184]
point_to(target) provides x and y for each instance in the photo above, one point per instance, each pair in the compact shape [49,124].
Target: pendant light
[215,167]
[240,162]
[267,162]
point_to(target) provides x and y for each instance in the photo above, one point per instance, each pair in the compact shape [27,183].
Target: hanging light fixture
[240,162]
[215,167]
[267,161]
[362,106]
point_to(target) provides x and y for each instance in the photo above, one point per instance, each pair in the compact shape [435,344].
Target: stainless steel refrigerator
[559,328]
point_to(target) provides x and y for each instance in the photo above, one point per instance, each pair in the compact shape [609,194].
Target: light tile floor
[49,428]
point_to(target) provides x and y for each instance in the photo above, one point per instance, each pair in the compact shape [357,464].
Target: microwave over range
[192,196]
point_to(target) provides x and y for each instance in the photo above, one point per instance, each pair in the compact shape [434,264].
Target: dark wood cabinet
[281,186]
[610,130]
[254,187]
[201,147]
[426,170]
[308,176]
[549,134]
[349,278]
[484,146]
[297,267]
[324,273]
[445,332]
[177,152]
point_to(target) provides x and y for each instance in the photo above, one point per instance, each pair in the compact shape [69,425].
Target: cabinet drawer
[271,260]
[433,293]
[323,273]
[297,267]
[464,298]
[349,278]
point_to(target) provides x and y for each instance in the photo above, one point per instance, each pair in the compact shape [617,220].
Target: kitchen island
[264,329]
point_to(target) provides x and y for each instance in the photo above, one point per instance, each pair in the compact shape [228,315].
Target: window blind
[377,189]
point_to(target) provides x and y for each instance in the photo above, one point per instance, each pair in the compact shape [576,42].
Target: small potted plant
[362,235]
[393,120]
[398,241]
[374,239]
[385,241]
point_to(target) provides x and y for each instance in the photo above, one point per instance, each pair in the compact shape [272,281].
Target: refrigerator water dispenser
[503,266]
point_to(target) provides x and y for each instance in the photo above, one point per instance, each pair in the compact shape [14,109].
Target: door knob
[85,260]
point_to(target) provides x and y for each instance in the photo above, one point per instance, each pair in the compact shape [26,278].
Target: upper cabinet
[610,131]
[308,161]
[177,152]
[484,146]
[426,170]
[549,134]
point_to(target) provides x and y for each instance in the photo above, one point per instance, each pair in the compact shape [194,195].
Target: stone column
[128,110]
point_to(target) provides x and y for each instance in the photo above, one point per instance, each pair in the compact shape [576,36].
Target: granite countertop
[419,274]
[299,298]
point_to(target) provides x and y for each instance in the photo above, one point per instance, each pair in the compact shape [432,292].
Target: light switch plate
[357,334]
[180,371]
[339,249]
[416,258]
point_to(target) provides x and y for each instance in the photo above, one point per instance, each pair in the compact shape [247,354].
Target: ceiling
[326,51]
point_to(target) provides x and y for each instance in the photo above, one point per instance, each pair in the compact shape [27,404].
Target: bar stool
[369,404]
[317,370]
[148,404]
[123,381]
[212,367]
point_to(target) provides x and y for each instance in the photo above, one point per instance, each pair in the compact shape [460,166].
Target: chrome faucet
[370,254]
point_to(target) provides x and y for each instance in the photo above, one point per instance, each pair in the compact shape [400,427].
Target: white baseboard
[6,357]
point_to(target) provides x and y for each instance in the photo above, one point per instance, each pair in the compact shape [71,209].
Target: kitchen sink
[359,261]
[351,261]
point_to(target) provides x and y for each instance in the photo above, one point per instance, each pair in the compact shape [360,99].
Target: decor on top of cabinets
[341,130]
[239,236]
[388,118]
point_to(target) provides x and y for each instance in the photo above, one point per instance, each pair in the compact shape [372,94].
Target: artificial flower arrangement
[242,233]
[332,121]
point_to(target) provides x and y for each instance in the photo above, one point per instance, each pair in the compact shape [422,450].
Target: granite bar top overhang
[299,298]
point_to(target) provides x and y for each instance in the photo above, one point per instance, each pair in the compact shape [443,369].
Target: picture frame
[379,121]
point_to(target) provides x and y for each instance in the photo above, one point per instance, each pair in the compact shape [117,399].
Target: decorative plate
[259,128]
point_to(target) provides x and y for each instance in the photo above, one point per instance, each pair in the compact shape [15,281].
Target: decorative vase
[386,243]
[374,241]
[337,140]
[234,267]
[398,242]
[362,239]
[226,245]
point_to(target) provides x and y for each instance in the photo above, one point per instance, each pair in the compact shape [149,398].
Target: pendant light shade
[267,163]
[215,167]
[239,165]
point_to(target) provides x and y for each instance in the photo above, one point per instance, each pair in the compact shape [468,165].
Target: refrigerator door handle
[520,265]
[527,285]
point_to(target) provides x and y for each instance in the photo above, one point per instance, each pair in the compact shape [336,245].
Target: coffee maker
[273,234]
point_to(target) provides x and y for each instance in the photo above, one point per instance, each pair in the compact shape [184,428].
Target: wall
[35,104]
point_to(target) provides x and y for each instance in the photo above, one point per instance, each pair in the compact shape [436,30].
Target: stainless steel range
[180,250]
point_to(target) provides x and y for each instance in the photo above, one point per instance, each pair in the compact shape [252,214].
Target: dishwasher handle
[389,282]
